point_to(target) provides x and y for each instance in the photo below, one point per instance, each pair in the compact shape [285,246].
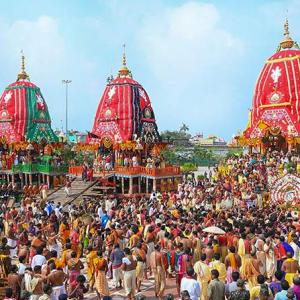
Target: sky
[198,60]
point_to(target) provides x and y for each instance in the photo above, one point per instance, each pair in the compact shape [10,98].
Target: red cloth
[123,107]
[278,83]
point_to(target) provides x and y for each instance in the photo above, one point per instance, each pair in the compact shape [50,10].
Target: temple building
[27,141]
[127,140]
[125,112]
[274,120]
[24,114]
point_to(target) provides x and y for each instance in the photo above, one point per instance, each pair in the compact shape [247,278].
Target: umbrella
[87,219]
[214,230]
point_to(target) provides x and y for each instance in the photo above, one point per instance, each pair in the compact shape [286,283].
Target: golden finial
[124,71]
[287,42]
[22,75]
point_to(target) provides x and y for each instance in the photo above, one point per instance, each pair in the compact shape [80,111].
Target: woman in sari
[100,265]
[232,263]
[74,267]
[92,254]
[183,262]
[64,231]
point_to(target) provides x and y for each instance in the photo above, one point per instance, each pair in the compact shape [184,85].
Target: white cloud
[45,52]
[49,59]
[40,40]
[193,58]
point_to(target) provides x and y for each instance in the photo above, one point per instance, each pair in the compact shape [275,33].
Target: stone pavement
[147,289]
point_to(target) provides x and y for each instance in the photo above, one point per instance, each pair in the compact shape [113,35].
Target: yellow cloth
[90,264]
[221,268]
[216,248]
[248,272]
[133,240]
[289,278]
[290,238]
[64,232]
[203,277]
[140,267]
[254,292]
[241,248]
[298,168]
[233,262]
[241,251]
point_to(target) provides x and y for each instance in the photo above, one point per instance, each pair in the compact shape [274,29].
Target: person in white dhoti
[57,280]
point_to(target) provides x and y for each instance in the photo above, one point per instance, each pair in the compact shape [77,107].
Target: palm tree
[184,128]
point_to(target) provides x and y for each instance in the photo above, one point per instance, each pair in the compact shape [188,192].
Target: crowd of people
[53,252]
[106,162]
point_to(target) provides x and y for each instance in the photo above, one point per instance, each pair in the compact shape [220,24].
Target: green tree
[176,137]
[203,156]
[170,156]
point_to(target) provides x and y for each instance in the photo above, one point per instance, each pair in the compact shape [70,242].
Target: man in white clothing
[190,284]
[100,212]
[38,259]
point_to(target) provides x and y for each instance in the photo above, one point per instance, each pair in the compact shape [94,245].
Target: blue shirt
[104,220]
[282,295]
[116,257]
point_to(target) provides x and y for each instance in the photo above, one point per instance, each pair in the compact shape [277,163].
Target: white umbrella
[214,230]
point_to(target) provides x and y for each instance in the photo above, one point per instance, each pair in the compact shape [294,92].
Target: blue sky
[198,60]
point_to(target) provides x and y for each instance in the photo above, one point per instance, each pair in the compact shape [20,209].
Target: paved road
[147,289]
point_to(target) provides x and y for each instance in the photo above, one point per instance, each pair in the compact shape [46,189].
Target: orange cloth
[36,243]
[100,263]
[64,232]
[233,262]
[65,256]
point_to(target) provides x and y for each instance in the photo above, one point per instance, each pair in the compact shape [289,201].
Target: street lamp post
[66,82]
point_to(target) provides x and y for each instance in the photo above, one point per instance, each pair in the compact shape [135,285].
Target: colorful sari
[101,281]
[183,262]
[74,271]
[90,265]
[233,266]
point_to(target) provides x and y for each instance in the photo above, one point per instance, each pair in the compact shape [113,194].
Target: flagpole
[66,82]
